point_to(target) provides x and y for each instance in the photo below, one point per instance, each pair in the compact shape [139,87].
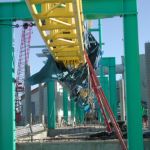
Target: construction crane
[22,61]
[61,24]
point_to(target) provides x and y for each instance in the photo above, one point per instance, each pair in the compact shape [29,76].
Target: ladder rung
[54,15]
[55,27]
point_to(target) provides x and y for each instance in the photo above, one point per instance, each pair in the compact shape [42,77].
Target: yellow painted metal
[60,23]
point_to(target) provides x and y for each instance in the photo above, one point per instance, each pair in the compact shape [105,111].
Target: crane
[22,61]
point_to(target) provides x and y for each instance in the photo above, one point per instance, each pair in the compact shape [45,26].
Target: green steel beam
[77,115]
[96,9]
[51,105]
[81,115]
[112,85]
[110,63]
[7,100]
[100,33]
[14,11]
[65,104]
[105,86]
[100,117]
[132,75]
[94,30]
[72,109]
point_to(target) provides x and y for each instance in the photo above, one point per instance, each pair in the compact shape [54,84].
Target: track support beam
[132,76]
[51,105]
[7,99]
[65,105]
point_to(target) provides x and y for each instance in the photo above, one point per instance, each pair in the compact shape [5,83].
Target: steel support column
[105,86]
[112,98]
[65,105]
[51,105]
[7,101]
[81,115]
[112,86]
[77,115]
[72,109]
[132,75]
[100,33]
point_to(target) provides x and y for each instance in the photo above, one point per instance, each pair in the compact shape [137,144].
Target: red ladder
[104,106]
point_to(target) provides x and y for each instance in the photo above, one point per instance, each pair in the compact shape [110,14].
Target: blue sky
[112,31]
[112,36]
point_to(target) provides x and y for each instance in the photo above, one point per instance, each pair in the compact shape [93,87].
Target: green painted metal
[94,9]
[99,116]
[113,86]
[81,115]
[72,108]
[14,11]
[94,30]
[112,98]
[7,99]
[65,104]
[100,33]
[132,75]
[105,86]
[51,105]
[97,9]
[77,114]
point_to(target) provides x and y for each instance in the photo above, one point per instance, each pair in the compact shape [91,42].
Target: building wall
[143,78]
[58,99]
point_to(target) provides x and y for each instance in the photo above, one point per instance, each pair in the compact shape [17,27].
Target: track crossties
[60,23]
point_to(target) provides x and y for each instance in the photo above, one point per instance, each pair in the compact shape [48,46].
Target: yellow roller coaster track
[61,25]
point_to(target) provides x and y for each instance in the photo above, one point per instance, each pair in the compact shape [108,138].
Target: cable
[25,25]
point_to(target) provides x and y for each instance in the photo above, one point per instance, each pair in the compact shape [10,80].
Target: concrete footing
[76,145]
[75,130]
